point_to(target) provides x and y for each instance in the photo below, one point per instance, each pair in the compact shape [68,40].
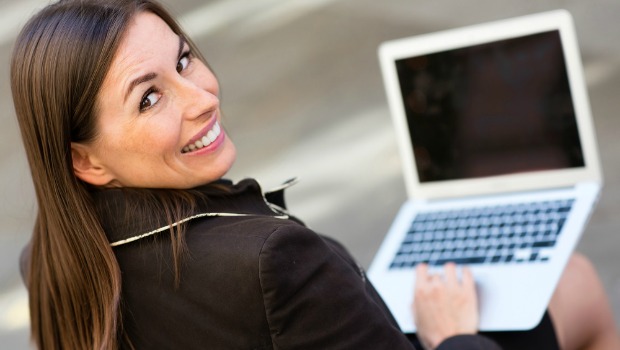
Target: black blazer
[257,281]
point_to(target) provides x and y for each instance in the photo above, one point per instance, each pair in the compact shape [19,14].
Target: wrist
[432,341]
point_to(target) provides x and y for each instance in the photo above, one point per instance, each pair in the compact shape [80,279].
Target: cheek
[147,139]
[156,137]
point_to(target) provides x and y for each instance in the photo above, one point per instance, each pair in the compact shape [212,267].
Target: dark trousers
[542,337]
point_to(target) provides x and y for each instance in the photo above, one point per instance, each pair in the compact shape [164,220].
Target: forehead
[146,30]
[147,38]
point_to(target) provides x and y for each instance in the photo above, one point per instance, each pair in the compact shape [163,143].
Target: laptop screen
[497,108]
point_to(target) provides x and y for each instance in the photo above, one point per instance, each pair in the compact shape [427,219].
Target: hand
[444,306]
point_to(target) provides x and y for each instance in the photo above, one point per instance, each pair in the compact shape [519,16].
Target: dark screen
[498,108]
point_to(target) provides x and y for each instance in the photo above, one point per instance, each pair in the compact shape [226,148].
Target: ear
[87,167]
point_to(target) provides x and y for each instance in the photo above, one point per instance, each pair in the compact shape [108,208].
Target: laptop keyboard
[511,233]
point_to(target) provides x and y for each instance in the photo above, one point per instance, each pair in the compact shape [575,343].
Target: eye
[183,62]
[151,97]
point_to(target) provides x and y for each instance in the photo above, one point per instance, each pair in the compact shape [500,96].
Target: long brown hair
[59,62]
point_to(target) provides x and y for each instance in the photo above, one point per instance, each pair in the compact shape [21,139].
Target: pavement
[303,96]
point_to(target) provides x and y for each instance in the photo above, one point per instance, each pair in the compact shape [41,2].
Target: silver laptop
[500,162]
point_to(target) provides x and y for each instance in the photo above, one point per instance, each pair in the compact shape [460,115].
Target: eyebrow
[139,80]
[150,76]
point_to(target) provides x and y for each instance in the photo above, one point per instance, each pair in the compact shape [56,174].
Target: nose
[194,100]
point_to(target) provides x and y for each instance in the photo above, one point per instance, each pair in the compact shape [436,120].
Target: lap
[542,337]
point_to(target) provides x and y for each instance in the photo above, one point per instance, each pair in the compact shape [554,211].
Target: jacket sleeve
[314,300]
[468,342]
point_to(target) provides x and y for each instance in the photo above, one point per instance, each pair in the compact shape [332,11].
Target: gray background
[303,96]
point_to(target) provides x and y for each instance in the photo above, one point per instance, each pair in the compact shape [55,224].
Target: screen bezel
[392,51]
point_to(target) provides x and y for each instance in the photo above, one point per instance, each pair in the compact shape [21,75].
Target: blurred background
[303,97]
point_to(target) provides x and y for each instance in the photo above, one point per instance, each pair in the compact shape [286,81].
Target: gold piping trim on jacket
[135,238]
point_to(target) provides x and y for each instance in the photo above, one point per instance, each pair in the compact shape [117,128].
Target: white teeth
[206,140]
[211,135]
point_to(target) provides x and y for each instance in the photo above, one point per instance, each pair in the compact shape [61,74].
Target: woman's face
[158,115]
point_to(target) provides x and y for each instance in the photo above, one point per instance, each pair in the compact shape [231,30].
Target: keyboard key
[543,244]
[461,261]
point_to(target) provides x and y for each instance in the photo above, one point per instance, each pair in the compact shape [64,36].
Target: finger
[435,279]
[450,274]
[467,278]
[421,271]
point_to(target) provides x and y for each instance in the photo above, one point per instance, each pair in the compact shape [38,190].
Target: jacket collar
[123,220]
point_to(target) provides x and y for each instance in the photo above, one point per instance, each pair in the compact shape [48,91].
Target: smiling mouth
[205,140]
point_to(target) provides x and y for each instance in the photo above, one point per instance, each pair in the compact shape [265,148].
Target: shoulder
[289,242]
[243,242]
[265,243]
[276,251]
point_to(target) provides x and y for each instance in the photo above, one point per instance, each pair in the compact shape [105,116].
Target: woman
[139,243]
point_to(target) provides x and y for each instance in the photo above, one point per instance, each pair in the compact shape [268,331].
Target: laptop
[500,162]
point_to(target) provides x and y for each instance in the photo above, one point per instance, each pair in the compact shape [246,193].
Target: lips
[205,139]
